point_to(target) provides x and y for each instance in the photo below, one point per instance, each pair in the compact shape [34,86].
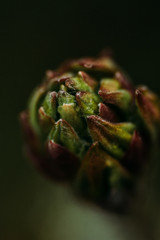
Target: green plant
[88,125]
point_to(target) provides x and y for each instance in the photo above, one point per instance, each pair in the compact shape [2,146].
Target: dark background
[38,36]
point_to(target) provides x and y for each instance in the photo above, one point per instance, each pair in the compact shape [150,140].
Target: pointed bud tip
[107,113]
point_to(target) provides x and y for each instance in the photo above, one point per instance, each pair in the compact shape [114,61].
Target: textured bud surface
[87,124]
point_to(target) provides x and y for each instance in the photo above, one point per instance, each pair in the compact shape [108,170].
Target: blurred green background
[38,36]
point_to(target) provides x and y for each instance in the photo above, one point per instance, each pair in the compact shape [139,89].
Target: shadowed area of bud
[107,113]
[100,175]
[148,105]
[62,162]
[87,125]
[135,157]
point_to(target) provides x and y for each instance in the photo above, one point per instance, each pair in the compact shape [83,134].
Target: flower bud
[87,125]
